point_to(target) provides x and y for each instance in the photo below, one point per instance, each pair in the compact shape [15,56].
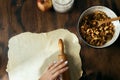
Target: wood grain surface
[17,16]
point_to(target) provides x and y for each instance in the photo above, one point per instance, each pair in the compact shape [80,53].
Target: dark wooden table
[17,16]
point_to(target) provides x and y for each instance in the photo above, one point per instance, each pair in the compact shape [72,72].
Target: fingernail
[55,62]
[66,62]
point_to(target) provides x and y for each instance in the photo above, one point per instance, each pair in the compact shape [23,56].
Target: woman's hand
[54,70]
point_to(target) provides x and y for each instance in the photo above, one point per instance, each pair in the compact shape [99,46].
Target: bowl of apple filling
[94,35]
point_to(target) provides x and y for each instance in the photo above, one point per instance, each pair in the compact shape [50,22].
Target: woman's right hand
[54,70]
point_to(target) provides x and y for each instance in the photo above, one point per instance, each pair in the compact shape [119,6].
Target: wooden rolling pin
[65,75]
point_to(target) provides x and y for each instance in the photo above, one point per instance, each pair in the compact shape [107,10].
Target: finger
[55,65]
[51,65]
[60,72]
[59,67]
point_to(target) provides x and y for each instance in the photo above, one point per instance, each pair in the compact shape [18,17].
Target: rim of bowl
[115,34]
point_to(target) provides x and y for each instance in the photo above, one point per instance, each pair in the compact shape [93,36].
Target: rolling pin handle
[61,46]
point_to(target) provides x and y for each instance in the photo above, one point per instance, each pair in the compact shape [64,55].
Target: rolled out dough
[30,53]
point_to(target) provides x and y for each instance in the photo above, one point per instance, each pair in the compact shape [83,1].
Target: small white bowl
[62,6]
[110,14]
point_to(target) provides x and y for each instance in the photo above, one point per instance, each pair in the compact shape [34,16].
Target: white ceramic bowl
[110,14]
